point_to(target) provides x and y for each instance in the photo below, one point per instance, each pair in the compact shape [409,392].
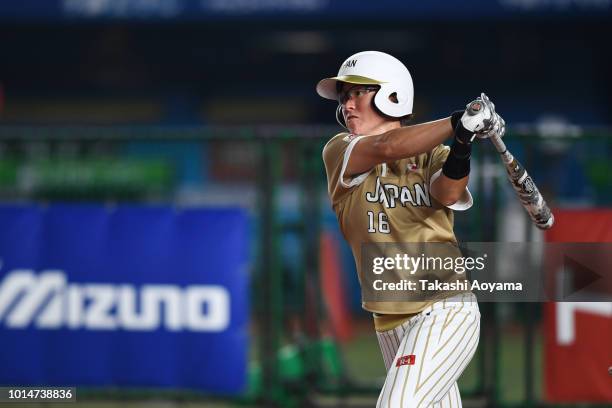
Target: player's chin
[353,126]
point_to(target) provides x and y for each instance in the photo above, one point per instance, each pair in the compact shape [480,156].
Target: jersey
[390,203]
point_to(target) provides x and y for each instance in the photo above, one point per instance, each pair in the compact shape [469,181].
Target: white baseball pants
[426,354]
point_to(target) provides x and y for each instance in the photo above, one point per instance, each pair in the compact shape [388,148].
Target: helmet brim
[327,87]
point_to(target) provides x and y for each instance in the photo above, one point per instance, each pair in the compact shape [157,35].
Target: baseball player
[389,182]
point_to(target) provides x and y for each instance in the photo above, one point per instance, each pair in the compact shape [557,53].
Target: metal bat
[525,188]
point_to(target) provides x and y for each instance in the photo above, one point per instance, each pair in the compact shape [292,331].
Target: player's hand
[477,120]
[498,130]
[479,115]
[497,125]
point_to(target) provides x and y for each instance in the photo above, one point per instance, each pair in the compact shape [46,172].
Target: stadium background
[211,104]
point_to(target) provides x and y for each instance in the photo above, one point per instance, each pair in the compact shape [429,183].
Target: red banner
[578,337]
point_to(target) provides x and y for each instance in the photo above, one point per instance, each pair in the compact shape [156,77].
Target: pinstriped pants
[439,343]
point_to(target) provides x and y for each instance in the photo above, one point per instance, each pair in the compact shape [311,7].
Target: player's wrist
[457,164]
[461,150]
[462,135]
[455,118]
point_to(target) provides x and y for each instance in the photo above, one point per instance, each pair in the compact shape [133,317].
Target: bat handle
[499,144]
[501,148]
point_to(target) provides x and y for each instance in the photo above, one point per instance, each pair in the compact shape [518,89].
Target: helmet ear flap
[339,117]
[393,102]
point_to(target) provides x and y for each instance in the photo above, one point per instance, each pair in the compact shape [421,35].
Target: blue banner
[131,296]
[319,9]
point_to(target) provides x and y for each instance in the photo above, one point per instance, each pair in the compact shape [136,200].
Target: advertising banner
[578,335]
[128,296]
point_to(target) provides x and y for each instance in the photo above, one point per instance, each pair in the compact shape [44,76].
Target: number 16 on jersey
[381,221]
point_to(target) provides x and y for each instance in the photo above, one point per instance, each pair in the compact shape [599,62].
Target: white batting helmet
[375,68]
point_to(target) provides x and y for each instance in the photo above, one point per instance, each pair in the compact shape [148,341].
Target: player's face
[358,111]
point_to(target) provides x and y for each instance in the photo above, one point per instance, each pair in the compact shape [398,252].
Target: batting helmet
[375,68]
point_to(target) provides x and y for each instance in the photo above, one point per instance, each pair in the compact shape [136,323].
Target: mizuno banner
[131,296]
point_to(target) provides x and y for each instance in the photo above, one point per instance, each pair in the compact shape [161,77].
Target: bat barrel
[526,190]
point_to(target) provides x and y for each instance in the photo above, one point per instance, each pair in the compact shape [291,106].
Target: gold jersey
[389,204]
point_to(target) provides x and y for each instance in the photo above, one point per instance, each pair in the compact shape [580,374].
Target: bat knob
[474,107]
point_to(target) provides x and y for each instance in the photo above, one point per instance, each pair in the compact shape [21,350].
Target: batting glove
[479,115]
[497,125]
[498,130]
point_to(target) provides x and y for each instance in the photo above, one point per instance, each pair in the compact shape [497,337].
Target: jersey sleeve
[439,155]
[336,154]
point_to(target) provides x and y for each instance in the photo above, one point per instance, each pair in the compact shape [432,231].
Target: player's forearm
[413,140]
[451,184]
[397,144]
[448,191]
